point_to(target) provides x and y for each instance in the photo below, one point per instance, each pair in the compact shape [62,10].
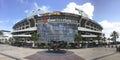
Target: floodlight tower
[32,13]
[83,15]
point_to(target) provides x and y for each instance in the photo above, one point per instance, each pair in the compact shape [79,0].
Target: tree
[109,42]
[77,39]
[1,33]
[109,39]
[34,37]
[104,39]
[114,35]
[11,40]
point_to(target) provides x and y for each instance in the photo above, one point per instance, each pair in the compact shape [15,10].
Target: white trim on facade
[28,29]
[21,35]
[89,35]
[89,30]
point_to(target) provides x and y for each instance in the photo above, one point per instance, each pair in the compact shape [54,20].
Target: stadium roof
[4,31]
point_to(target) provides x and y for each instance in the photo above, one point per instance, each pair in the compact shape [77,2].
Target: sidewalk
[2,57]
[96,53]
[15,53]
[115,56]
[19,53]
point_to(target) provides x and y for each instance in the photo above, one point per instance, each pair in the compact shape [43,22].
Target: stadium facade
[4,36]
[56,26]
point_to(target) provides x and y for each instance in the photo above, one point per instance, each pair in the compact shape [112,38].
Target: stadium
[57,26]
[4,36]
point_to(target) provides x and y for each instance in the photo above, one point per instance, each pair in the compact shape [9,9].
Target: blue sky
[105,12]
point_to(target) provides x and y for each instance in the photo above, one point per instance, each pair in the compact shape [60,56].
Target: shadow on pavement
[54,55]
[104,56]
[10,56]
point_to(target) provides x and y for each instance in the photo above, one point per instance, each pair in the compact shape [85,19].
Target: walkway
[19,53]
[54,55]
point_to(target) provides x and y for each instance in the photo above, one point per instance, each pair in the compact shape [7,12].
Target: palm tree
[34,37]
[114,35]
[77,39]
[104,39]
[109,39]
[109,42]
[11,40]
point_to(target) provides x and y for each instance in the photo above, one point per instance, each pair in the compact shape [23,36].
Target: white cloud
[36,5]
[26,11]
[21,1]
[1,21]
[5,25]
[43,8]
[16,20]
[4,21]
[88,8]
[36,11]
[109,27]
[71,8]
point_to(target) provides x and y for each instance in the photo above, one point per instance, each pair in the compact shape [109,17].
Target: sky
[105,12]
